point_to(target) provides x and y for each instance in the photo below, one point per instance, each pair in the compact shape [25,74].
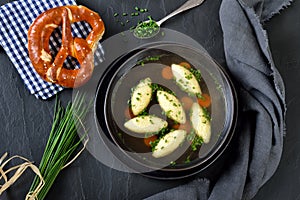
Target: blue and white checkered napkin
[15,20]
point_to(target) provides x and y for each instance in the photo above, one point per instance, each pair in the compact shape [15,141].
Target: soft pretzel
[51,69]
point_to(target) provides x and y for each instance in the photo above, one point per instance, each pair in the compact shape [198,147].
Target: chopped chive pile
[146,29]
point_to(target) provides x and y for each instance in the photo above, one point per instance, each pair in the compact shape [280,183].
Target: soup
[160,66]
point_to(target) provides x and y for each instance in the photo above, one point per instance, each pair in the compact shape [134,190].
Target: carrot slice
[128,113]
[176,126]
[205,101]
[185,64]
[148,140]
[166,73]
[187,102]
[185,126]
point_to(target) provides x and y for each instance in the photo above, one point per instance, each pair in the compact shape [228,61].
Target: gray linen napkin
[261,94]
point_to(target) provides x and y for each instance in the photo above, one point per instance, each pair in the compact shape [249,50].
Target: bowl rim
[219,147]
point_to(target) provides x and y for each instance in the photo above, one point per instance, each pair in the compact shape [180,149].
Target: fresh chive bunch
[62,143]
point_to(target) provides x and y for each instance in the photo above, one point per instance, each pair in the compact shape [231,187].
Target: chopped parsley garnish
[198,95]
[206,114]
[159,134]
[196,73]
[189,76]
[153,144]
[120,135]
[187,160]
[155,87]
[144,113]
[195,140]
[148,58]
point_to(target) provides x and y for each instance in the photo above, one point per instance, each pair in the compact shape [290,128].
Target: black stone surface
[25,121]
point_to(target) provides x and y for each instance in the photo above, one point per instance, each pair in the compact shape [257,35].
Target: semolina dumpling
[186,80]
[169,143]
[171,106]
[146,124]
[141,96]
[200,122]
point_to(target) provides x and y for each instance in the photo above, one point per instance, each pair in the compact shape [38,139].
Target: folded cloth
[261,95]
[15,20]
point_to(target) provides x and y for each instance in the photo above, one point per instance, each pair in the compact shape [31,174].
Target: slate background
[25,121]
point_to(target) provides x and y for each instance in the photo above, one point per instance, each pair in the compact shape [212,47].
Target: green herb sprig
[62,143]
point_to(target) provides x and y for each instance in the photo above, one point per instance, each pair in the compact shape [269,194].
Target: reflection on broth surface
[157,65]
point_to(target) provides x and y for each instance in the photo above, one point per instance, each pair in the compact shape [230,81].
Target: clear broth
[134,143]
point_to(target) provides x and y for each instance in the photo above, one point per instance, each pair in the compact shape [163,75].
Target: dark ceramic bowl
[127,71]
